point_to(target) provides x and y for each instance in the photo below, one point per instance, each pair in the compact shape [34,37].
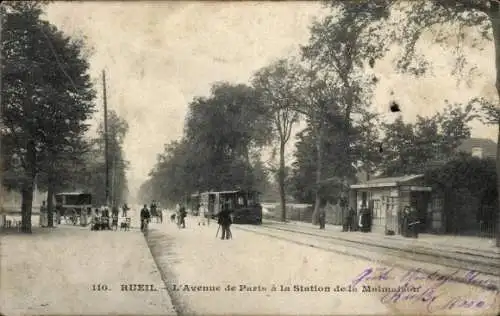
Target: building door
[420,202]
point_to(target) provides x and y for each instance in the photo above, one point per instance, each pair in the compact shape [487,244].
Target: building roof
[489,147]
[386,182]
[227,192]
[72,193]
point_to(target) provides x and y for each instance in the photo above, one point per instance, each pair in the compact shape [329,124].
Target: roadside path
[59,270]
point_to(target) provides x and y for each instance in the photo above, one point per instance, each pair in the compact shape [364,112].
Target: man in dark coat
[322,218]
[351,219]
[413,223]
[224,220]
[145,216]
[182,215]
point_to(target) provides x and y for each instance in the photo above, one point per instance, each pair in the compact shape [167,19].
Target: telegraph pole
[106,135]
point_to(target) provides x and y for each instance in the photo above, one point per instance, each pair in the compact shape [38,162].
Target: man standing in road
[224,221]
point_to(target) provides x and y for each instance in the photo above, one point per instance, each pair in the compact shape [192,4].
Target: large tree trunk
[498,189]
[281,182]
[50,203]
[495,22]
[27,188]
[319,166]
[26,205]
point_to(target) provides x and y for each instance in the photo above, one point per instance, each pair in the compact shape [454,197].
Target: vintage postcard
[250,157]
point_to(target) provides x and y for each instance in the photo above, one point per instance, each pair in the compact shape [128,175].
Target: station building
[387,197]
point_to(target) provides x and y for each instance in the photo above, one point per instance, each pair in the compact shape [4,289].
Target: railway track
[455,249]
[469,255]
[383,255]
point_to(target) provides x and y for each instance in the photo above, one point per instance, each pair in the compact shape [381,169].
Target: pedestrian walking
[322,218]
[182,216]
[145,216]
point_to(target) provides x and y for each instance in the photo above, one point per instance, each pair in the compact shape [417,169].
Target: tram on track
[244,205]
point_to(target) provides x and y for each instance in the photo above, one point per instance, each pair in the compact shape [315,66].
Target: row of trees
[220,148]
[330,87]
[47,102]
[384,149]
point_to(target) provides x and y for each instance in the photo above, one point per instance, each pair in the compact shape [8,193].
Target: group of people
[355,222]
[350,224]
[223,219]
[101,219]
[408,221]
[179,217]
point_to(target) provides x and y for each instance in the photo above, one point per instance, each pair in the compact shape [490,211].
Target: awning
[415,188]
[374,185]
[386,182]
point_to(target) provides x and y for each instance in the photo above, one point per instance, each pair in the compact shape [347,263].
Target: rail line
[400,252]
[490,254]
[372,253]
[415,249]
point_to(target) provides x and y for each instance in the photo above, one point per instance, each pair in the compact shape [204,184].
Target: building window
[477,152]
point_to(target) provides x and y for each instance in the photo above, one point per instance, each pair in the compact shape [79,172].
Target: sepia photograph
[250,157]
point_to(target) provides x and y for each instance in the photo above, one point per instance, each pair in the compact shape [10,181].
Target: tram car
[244,205]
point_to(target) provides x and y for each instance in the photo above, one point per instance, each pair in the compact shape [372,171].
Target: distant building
[479,147]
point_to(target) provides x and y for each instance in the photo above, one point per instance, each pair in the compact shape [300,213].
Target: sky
[159,55]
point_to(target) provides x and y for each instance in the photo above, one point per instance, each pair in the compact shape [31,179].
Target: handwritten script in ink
[428,285]
[373,274]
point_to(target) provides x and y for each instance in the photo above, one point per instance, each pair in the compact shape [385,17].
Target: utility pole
[113,181]
[106,135]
